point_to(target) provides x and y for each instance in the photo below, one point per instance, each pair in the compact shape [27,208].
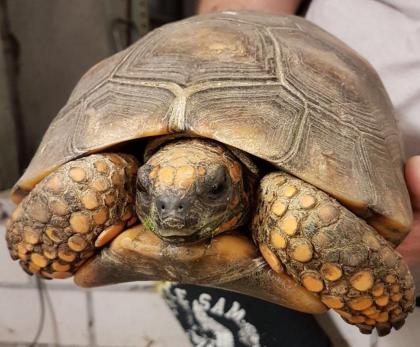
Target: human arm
[272,6]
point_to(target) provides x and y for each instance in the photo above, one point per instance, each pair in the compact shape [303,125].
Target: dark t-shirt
[217,318]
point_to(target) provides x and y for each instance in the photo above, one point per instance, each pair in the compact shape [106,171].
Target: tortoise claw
[398,324]
[229,261]
[365,329]
[383,329]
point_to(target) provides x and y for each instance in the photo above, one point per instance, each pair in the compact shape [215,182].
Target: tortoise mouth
[176,237]
[181,236]
[174,225]
[176,232]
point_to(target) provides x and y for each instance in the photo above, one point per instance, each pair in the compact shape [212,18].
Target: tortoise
[260,154]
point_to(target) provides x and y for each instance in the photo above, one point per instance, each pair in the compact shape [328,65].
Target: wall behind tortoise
[59,40]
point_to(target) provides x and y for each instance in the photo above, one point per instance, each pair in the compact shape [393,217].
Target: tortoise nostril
[171,206]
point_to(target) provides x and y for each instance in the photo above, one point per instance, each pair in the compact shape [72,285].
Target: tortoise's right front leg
[331,252]
[79,207]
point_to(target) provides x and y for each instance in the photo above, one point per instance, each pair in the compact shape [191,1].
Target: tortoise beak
[229,261]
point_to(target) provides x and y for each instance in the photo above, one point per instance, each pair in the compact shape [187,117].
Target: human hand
[410,248]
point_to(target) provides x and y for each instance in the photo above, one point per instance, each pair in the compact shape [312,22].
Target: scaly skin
[332,252]
[73,211]
[320,244]
[185,172]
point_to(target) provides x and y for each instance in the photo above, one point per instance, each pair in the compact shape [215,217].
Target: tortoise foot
[333,253]
[74,210]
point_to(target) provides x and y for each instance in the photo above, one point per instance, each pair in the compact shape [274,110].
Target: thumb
[412,176]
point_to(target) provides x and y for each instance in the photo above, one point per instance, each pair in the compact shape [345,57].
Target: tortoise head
[191,190]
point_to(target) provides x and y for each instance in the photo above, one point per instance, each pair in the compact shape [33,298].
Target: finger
[412,175]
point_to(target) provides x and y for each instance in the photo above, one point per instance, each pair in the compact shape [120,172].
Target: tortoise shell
[277,87]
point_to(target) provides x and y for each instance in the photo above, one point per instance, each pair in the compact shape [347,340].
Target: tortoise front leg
[79,207]
[332,252]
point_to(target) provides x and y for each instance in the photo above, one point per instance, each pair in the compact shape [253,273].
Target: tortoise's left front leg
[77,208]
[332,252]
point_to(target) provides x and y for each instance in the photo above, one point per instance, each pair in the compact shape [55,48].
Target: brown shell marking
[332,252]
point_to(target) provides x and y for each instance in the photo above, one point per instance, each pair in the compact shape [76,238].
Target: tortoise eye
[218,184]
[217,188]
